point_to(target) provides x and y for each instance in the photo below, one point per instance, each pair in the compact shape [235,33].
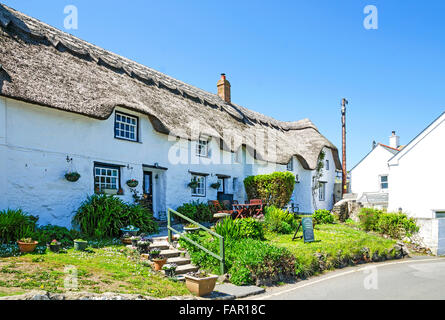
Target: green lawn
[109,269]
[337,243]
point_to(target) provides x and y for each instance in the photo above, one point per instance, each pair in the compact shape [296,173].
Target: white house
[370,177]
[416,187]
[67,105]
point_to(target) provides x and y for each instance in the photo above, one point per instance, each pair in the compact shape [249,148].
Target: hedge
[274,189]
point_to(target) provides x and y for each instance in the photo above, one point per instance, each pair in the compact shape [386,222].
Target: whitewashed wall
[35,141]
[365,177]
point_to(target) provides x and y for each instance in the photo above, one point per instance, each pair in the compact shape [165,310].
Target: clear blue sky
[286,59]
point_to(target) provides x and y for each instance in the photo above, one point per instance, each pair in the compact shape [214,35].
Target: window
[221,184]
[322,191]
[290,165]
[200,190]
[440,214]
[126,127]
[202,148]
[327,165]
[106,177]
[383,182]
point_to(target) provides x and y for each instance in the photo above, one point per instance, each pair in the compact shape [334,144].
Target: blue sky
[286,59]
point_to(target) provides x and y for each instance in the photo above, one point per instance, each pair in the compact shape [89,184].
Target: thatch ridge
[48,67]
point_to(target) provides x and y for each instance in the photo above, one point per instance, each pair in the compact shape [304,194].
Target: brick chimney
[394,140]
[224,88]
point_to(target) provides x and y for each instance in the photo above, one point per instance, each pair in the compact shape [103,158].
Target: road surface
[414,278]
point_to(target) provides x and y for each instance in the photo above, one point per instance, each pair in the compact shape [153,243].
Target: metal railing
[220,257]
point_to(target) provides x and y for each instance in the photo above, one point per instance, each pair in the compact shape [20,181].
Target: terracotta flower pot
[159,263]
[27,247]
[200,286]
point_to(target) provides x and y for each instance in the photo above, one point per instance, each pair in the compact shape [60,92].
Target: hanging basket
[72,176]
[215,185]
[132,183]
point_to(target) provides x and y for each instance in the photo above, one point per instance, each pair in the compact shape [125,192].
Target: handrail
[220,257]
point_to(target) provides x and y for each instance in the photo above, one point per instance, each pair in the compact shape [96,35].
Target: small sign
[308,230]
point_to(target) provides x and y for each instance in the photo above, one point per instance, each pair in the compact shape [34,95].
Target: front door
[148,190]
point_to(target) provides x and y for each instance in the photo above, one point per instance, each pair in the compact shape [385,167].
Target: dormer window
[126,127]
[290,165]
[202,147]
[327,165]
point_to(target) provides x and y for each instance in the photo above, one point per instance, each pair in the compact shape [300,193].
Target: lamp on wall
[68,159]
[297,178]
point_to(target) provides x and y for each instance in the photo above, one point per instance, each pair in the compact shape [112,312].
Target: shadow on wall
[4,76]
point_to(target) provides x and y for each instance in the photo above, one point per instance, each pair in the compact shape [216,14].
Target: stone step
[170,253]
[186,269]
[162,245]
[165,238]
[179,261]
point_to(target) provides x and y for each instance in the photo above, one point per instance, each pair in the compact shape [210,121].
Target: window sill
[127,140]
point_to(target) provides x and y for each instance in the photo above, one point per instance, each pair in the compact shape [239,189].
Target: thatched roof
[45,66]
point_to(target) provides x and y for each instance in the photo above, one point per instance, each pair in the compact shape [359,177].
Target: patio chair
[259,210]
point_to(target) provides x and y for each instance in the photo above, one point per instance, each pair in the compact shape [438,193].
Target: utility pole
[344,172]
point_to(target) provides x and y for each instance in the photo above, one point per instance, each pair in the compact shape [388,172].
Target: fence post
[169,222]
[222,254]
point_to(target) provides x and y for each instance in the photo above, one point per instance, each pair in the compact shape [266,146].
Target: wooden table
[246,210]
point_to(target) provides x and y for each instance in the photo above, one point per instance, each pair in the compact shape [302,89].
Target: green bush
[16,224]
[274,189]
[48,233]
[323,217]
[396,225]
[247,260]
[240,229]
[280,221]
[195,210]
[103,216]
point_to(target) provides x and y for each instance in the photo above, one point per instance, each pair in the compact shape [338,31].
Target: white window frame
[202,147]
[322,191]
[126,124]
[201,190]
[327,165]
[382,182]
[106,172]
[290,165]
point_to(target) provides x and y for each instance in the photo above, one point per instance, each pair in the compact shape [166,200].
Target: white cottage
[370,177]
[420,193]
[67,105]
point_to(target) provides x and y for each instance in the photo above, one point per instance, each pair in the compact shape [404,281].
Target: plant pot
[170,273]
[55,247]
[132,184]
[27,247]
[80,245]
[200,286]
[126,241]
[159,263]
[72,177]
[190,230]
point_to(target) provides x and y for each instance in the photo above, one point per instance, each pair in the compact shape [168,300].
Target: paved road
[415,278]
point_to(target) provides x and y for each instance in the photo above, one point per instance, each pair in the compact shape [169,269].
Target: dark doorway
[148,191]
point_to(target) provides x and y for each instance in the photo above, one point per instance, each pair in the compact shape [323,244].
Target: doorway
[148,190]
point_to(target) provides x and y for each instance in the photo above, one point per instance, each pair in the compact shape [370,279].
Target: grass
[110,269]
[336,243]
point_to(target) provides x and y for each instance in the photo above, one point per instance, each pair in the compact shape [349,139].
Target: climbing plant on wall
[316,177]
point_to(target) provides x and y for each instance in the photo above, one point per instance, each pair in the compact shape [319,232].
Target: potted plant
[72,176]
[170,269]
[215,185]
[80,244]
[191,227]
[159,262]
[27,245]
[143,246]
[200,283]
[134,240]
[155,253]
[120,192]
[132,183]
[55,246]
[193,184]
[132,230]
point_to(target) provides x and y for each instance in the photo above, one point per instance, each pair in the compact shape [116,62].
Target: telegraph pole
[344,172]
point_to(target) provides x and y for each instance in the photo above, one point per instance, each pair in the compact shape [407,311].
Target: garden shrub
[195,210]
[16,224]
[323,217]
[103,216]
[247,260]
[280,221]
[274,189]
[240,229]
[48,233]
[396,225]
